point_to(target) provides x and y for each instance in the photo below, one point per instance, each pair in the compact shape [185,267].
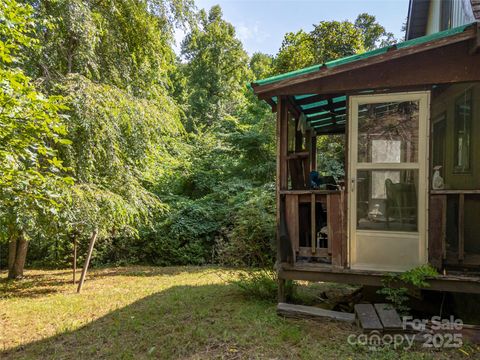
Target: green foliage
[124,43]
[330,40]
[120,150]
[331,155]
[261,284]
[172,160]
[417,276]
[334,39]
[31,172]
[216,69]
[374,34]
[250,239]
[397,294]
[295,53]
[394,294]
[261,65]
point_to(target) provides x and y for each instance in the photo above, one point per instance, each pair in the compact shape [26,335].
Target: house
[430,16]
[405,111]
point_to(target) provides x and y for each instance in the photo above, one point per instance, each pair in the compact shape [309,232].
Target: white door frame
[422,166]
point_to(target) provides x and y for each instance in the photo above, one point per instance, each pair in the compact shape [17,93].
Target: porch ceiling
[325,114]
[325,110]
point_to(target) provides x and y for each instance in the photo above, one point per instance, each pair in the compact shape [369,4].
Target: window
[439,136]
[463,125]
[446,15]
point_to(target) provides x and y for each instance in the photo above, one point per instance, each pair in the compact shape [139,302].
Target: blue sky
[261,25]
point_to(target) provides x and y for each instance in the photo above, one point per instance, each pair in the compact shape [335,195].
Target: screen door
[388,143]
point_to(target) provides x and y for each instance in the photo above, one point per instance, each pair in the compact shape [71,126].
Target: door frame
[423,171]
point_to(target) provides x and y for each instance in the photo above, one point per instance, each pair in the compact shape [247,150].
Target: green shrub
[397,294]
[261,284]
[250,239]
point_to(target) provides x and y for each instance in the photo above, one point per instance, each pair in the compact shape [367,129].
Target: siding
[461,14]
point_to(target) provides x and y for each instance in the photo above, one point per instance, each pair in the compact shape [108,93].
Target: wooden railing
[438,252]
[333,203]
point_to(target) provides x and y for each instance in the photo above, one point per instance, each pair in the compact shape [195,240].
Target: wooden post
[461,227]
[335,227]
[74,257]
[345,258]
[313,151]
[313,223]
[298,136]
[281,180]
[282,144]
[87,260]
[437,219]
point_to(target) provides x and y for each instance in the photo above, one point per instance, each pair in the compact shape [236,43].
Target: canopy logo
[433,333]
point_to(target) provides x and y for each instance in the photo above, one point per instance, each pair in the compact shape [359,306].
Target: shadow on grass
[35,285]
[174,323]
[195,322]
[30,286]
[202,322]
[146,271]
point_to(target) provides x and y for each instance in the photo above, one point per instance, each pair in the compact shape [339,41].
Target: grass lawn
[166,313]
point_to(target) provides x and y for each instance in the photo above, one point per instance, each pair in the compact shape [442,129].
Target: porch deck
[454,281]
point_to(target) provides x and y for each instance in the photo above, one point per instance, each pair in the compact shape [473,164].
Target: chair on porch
[401,201]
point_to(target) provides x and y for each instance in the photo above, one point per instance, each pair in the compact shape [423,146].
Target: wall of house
[461,14]
[443,106]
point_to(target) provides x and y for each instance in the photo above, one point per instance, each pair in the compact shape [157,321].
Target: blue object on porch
[315,180]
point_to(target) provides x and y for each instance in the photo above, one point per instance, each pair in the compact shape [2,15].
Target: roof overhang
[417,18]
[320,92]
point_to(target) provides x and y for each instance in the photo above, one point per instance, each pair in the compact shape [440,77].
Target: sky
[261,25]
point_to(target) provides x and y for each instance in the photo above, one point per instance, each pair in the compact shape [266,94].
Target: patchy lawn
[173,312]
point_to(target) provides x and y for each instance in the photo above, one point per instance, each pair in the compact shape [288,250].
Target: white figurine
[437,181]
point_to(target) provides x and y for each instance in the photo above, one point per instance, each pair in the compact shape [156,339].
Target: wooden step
[389,317]
[367,317]
[301,311]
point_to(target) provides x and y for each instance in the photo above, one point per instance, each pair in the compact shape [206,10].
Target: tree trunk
[17,255]
[12,249]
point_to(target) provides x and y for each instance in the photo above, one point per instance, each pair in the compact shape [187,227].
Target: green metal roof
[333,111]
[356,57]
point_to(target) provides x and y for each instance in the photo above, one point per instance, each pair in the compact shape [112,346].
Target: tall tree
[261,65]
[330,40]
[30,171]
[126,43]
[296,52]
[216,69]
[374,34]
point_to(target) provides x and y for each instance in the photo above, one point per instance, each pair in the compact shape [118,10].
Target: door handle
[353,185]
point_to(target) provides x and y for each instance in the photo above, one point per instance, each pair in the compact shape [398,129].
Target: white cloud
[251,32]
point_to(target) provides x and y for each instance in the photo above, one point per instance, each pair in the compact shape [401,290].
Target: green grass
[166,313]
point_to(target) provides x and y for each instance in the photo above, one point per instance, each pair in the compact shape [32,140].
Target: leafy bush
[397,294]
[261,284]
[250,240]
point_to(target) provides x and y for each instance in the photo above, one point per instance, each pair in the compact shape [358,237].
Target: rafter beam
[316,98]
[329,107]
[323,116]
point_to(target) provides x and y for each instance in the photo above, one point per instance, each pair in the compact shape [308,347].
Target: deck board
[367,318]
[291,310]
[388,317]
